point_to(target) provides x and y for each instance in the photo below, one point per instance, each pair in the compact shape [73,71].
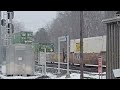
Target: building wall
[20,60]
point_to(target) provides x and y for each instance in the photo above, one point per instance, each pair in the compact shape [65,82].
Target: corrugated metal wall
[113,50]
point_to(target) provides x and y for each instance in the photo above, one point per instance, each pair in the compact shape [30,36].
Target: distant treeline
[68,23]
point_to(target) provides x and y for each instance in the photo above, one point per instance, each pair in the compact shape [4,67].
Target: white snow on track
[53,76]
[18,77]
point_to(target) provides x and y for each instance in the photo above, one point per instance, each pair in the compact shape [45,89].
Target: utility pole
[58,55]
[0,40]
[81,44]
[68,74]
[0,27]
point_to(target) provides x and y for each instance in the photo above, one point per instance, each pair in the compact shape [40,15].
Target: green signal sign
[40,47]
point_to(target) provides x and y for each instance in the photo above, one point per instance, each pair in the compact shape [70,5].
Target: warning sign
[100,65]
[77,47]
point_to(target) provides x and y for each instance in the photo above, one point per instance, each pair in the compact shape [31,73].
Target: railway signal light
[8,31]
[3,22]
[10,14]
[10,26]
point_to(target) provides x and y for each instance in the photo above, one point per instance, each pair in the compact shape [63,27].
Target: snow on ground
[75,76]
[72,76]
[92,76]
[54,76]
[18,77]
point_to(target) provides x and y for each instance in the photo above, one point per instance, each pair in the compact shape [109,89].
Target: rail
[87,65]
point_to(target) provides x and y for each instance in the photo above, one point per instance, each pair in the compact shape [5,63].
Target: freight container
[90,45]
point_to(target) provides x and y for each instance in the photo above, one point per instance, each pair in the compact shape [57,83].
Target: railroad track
[88,68]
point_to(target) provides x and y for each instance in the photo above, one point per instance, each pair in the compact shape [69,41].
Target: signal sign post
[42,61]
[100,67]
[63,39]
[10,24]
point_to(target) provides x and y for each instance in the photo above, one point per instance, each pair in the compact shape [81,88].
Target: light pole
[81,44]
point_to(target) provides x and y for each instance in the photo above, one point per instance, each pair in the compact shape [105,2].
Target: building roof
[111,20]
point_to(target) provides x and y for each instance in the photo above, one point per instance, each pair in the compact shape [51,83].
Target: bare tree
[41,36]
[18,26]
[68,23]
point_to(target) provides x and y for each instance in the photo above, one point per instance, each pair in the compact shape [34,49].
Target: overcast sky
[34,19]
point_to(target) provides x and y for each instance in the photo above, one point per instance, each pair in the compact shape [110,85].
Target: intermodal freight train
[93,47]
